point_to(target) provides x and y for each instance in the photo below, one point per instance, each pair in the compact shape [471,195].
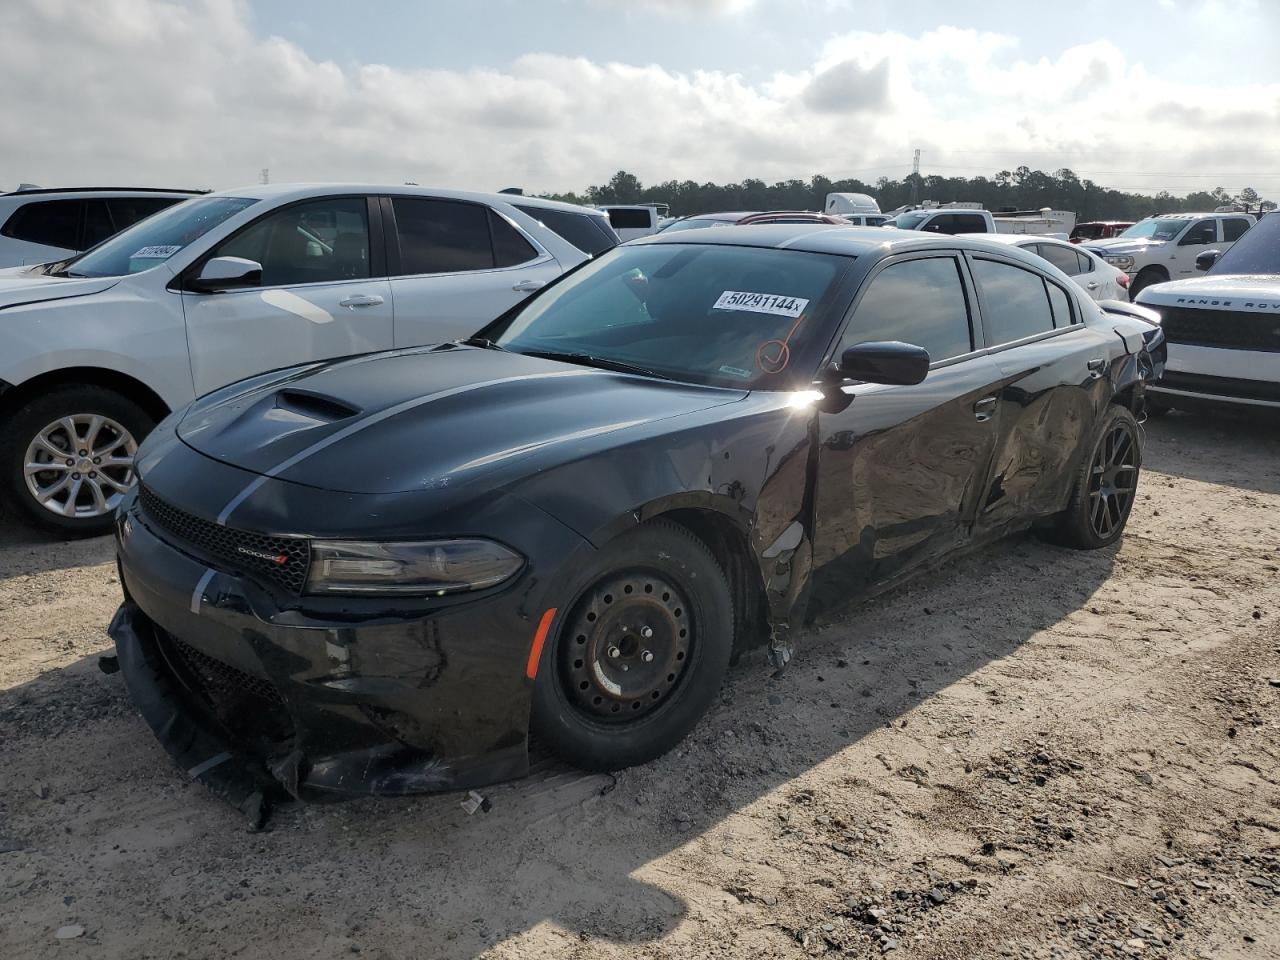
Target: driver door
[1199,237]
[322,295]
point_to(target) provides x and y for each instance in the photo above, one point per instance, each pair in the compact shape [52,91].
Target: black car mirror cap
[226,273]
[1207,259]
[885,361]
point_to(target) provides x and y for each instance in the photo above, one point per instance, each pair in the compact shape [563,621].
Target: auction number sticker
[761,303]
[155,253]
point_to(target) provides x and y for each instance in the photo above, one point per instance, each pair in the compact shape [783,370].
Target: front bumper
[256,693]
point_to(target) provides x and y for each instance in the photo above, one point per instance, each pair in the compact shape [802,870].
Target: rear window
[630,219]
[586,232]
[55,223]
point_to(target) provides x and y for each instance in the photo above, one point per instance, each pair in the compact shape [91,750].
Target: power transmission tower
[915,176]
[266,174]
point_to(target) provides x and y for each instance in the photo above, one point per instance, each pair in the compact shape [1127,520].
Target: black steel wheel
[640,651]
[1105,484]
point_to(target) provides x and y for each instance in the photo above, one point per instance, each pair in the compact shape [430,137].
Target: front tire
[1105,486]
[1145,279]
[67,457]
[640,653]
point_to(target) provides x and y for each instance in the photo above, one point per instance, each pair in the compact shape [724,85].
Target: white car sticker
[155,253]
[736,371]
[761,303]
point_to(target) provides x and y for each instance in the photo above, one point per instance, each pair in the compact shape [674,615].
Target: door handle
[528,286]
[984,409]
[1096,364]
[1091,285]
[360,300]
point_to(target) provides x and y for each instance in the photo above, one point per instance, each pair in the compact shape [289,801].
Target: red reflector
[1123,280]
[539,638]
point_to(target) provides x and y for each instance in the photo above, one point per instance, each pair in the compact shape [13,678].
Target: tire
[596,702]
[51,416]
[1095,518]
[1146,278]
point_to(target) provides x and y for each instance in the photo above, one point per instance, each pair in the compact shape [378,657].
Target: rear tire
[640,652]
[1105,486]
[76,493]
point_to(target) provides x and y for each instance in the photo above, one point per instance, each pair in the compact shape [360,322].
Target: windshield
[907,221]
[744,317]
[154,240]
[1258,251]
[696,223]
[1156,229]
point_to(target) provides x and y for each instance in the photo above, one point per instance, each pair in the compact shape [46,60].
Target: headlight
[429,567]
[1124,263]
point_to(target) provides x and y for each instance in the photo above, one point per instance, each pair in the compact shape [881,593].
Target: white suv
[38,225]
[99,347]
[1163,248]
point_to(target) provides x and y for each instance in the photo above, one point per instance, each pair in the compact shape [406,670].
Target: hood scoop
[315,406]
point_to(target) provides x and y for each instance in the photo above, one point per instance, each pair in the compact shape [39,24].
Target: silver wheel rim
[80,466]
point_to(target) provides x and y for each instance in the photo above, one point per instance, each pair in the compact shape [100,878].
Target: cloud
[154,93]
[677,8]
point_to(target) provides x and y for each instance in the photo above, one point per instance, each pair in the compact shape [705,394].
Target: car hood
[19,285]
[1258,290]
[429,419]
[1123,246]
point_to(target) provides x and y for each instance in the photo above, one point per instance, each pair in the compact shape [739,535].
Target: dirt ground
[1031,753]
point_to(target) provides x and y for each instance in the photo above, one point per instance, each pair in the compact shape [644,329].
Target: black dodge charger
[383,574]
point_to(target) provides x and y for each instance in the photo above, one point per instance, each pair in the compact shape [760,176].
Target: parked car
[382,574]
[38,224]
[1099,279]
[631,220]
[99,347]
[1163,248]
[961,218]
[792,216]
[699,220]
[1223,328]
[1099,230]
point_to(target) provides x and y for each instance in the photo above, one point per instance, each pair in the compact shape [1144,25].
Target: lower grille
[281,560]
[249,706]
[1227,329]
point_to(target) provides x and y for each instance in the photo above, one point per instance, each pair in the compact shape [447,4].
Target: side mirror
[226,273]
[885,361]
[1207,259]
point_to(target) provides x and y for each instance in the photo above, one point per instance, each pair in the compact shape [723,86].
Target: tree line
[1020,189]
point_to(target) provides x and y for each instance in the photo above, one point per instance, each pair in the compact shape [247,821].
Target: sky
[556,95]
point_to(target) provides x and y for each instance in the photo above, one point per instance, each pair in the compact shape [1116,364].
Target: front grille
[250,707]
[253,553]
[1227,329]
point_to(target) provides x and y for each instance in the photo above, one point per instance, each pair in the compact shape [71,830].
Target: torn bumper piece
[261,699]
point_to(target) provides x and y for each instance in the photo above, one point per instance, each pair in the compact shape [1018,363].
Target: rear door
[324,293]
[455,265]
[900,469]
[1052,387]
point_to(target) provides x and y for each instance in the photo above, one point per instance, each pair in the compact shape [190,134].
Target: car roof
[850,241]
[733,215]
[286,192]
[1102,223]
[1188,216]
[46,191]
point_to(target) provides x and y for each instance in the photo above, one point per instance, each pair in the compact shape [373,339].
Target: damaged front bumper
[261,699]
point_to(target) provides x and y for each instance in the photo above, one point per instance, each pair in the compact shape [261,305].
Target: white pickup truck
[956,218]
[1165,247]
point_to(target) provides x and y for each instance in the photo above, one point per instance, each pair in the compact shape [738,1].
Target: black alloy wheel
[639,651]
[1105,485]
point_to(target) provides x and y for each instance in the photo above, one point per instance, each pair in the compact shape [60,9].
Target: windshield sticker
[736,372]
[761,303]
[155,253]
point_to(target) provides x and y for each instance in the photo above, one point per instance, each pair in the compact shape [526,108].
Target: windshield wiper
[483,343]
[587,360]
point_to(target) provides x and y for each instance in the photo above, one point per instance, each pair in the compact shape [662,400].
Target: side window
[577,228]
[97,223]
[970,223]
[1014,302]
[442,236]
[1064,258]
[1060,304]
[509,247]
[1233,229]
[916,301]
[52,222]
[941,223]
[1202,231]
[323,241]
[1086,265]
[126,211]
